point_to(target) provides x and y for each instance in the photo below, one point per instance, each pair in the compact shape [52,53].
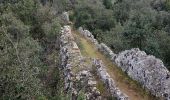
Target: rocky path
[124,83]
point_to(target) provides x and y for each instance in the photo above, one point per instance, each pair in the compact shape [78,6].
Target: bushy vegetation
[29,48]
[29,38]
[125,24]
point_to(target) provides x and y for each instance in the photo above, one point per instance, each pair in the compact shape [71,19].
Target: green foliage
[50,29]
[63,5]
[93,17]
[24,9]
[114,39]
[167,4]
[28,35]
[108,4]
[136,30]
[121,11]
[81,96]
[125,24]
[19,61]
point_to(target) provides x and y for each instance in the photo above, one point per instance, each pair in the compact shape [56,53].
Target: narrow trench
[124,83]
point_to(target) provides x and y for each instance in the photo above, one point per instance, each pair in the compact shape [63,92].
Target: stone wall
[89,36]
[101,47]
[149,71]
[101,69]
[76,79]
[107,51]
[108,81]
[65,17]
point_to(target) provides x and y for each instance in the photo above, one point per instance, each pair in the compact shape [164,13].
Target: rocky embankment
[149,71]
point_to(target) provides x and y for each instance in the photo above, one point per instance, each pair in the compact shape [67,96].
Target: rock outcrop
[76,77]
[149,71]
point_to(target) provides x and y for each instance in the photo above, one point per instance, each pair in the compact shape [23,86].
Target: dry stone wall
[89,36]
[101,69]
[149,71]
[101,47]
[76,79]
[108,81]
[107,51]
[65,17]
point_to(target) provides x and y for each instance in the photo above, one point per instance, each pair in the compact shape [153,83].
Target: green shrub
[23,49]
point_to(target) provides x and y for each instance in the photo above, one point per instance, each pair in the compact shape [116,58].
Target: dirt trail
[125,84]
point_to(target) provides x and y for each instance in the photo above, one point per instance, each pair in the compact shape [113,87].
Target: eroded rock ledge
[149,71]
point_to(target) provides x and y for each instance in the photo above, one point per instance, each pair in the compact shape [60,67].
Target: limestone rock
[147,70]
